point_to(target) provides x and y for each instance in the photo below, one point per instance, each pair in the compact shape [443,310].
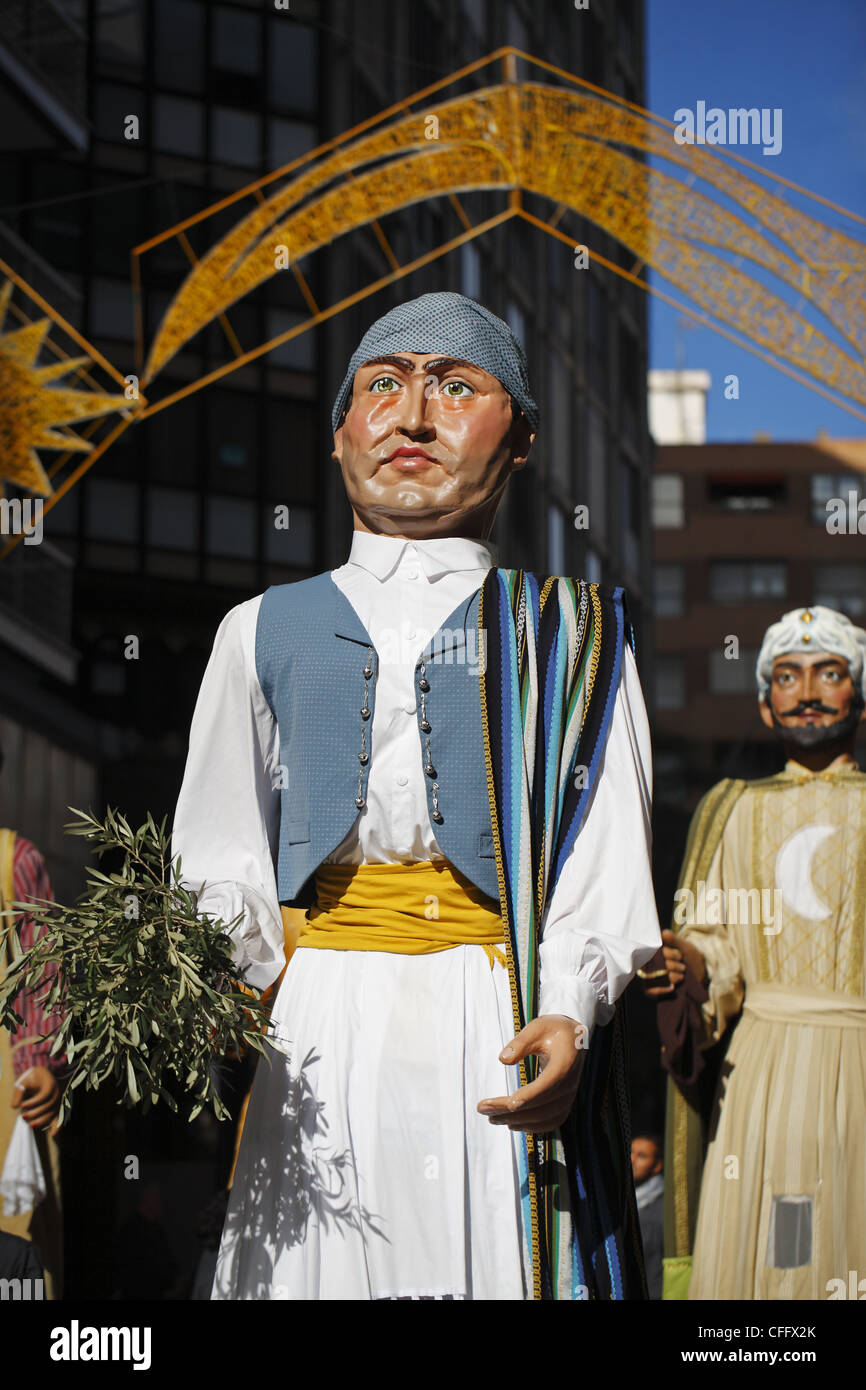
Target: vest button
[425,727]
[424,685]
[437,816]
[363,758]
[360,802]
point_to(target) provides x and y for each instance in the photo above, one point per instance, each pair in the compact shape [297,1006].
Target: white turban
[814,629]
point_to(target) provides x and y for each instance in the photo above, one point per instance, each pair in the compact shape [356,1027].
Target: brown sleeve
[682,1029]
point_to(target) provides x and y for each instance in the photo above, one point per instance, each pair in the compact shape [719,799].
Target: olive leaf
[143,983]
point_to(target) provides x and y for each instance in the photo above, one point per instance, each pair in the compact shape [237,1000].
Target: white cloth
[22,1182]
[389,1055]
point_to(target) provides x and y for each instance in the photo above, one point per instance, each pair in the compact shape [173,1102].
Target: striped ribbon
[553,656]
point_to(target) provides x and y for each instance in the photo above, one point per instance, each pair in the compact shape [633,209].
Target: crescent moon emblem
[793,871]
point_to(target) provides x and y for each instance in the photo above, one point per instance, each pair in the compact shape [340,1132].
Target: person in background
[646,1166]
[31,1080]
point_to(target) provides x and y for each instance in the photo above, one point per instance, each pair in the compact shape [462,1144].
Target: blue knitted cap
[446,323]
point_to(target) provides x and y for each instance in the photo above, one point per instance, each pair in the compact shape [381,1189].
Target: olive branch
[144,985]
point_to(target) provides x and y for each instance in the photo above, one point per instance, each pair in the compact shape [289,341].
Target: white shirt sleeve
[226,824]
[601,922]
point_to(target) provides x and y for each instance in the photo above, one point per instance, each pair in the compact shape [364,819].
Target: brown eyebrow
[408,366]
[815,666]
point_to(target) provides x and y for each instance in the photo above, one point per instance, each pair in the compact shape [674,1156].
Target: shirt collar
[381,555]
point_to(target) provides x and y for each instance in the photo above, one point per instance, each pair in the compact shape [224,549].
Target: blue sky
[808,58]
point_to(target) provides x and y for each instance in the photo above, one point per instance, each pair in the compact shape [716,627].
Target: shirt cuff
[566,994]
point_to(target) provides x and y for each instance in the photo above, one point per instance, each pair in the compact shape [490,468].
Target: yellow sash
[407,909]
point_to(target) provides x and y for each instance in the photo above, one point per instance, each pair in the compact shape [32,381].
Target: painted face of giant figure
[812,703]
[811,674]
[427,446]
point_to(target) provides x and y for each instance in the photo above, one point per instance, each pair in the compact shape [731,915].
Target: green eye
[379,380]
[464,384]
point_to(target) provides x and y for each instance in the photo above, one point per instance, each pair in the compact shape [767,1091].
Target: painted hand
[673,957]
[37,1095]
[545,1103]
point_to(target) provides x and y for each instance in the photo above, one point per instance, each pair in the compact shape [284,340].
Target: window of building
[235,137]
[111,309]
[842,587]
[292,52]
[233,420]
[593,566]
[596,471]
[111,510]
[670,682]
[235,40]
[555,540]
[630,515]
[558,422]
[592,33]
[112,105]
[516,321]
[231,527]
[172,518]
[668,508]
[298,352]
[596,333]
[174,439]
[830,487]
[470,270]
[733,675]
[291,545]
[474,12]
[292,466]
[747,494]
[119,35]
[744,581]
[288,140]
[178,48]
[178,125]
[108,677]
[632,382]
[669,591]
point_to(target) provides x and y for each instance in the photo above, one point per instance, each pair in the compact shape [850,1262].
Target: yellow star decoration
[31,411]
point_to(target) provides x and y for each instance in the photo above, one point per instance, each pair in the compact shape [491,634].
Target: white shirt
[601,922]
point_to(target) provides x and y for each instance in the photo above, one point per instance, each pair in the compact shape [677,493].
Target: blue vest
[311,651]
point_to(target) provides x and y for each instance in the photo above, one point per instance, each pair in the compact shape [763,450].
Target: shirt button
[410,709]
[411,634]
[402,779]
[412,572]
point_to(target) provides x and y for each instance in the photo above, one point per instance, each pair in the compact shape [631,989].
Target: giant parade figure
[448,765]
[765,1164]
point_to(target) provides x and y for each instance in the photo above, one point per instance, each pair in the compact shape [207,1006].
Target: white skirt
[365,1170]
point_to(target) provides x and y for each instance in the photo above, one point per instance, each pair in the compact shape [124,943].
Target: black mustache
[808,706]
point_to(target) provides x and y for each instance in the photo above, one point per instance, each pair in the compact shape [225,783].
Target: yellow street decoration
[708,221]
[33,413]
